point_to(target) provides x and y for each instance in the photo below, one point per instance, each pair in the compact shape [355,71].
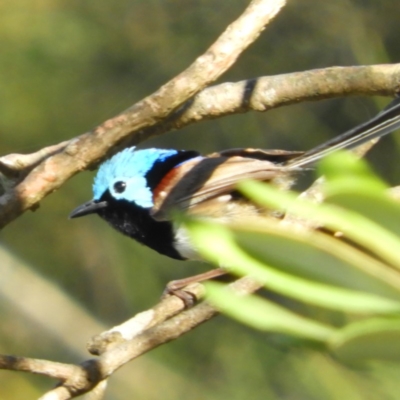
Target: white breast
[184,246]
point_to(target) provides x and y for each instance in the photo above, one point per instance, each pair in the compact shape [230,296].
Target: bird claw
[177,287]
[188,298]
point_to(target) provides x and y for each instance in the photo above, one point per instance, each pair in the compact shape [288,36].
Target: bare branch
[167,308]
[257,94]
[89,148]
[98,392]
[14,163]
[269,92]
[41,367]
[265,93]
[92,373]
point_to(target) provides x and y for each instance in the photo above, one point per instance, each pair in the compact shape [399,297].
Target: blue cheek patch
[136,191]
[131,167]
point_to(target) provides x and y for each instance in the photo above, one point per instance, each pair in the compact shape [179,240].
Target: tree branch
[269,92]
[41,367]
[259,94]
[256,94]
[119,345]
[88,149]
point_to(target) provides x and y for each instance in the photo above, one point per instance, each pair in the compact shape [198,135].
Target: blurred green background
[66,66]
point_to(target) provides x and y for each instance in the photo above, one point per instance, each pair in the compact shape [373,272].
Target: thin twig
[48,368]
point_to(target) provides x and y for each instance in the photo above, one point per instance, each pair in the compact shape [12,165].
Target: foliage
[351,265]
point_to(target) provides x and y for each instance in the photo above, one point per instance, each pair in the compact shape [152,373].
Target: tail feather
[387,121]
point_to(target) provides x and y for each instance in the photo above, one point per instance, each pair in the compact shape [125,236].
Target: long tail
[385,122]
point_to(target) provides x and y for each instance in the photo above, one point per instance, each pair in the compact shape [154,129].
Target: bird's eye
[119,186]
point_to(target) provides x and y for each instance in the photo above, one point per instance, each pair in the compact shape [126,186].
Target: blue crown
[130,166]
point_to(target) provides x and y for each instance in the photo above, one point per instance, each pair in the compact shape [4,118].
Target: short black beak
[90,207]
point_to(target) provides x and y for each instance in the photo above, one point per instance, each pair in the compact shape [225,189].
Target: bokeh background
[68,65]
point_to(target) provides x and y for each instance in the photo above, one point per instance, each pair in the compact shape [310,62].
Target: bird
[137,190]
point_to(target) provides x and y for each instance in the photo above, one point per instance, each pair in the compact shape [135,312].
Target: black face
[137,223]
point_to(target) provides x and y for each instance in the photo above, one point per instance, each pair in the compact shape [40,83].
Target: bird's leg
[176,287]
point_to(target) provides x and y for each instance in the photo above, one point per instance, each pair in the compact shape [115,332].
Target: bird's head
[131,176]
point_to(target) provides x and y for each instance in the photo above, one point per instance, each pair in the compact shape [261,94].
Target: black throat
[137,223]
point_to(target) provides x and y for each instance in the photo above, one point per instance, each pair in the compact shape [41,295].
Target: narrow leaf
[368,340]
[360,229]
[217,244]
[264,315]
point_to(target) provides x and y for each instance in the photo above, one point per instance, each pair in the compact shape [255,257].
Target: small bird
[136,190]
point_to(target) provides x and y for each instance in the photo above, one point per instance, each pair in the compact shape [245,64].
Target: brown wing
[202,179]
[275,156]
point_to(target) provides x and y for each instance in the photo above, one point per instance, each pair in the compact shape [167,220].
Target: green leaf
[367,340]
[264,315]
[377,207]
[352,185]
[318,257]
[217,244]
[343,169]
[356,227]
